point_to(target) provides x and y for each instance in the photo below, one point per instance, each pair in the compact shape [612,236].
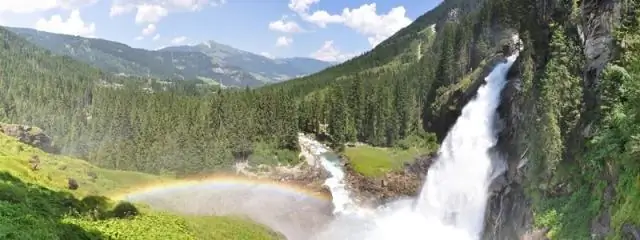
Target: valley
[208,62]
[493,119]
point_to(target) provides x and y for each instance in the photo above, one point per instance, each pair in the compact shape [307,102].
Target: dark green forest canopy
[409,85]
[380,98]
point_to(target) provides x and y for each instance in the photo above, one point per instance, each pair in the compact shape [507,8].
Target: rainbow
[222,180]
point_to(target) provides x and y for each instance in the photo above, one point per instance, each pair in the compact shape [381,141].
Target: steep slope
[210,61]
[416,80]
[38,205]
[272,70]
[568,116]
[116,122]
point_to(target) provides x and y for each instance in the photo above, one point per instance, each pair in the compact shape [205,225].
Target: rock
[72,184]
[599,18]
[601,225]
[391,186]
[421,165]
[29,135]
[440,120]
[308,177]
[498,184]
[631,231]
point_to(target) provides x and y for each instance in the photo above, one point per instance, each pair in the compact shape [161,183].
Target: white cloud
[301,6]
[117,9]
[150,29]
[138,38]
[376,27]
[267,55]
[148,13]
[178,40]
[156,37]
[74,25]
[330,53]
[154,10]
[283,41]
[192,5]
[31,6]
[322,18]
[285,26]
[364,19]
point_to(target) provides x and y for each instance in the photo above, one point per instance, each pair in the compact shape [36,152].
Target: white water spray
[342,202]
[451,205]
[452,202]
[456,190]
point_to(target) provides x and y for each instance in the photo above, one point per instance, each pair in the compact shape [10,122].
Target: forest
[116,122]
[581,139]
[182,128]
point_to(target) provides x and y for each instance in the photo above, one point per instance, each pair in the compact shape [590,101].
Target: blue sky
[330,30]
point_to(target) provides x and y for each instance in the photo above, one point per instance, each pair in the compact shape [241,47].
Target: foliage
[119,124]
[600,177]
[33,205]
[376,161]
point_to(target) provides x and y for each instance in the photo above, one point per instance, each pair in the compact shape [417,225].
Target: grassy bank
[376,161]
[37,204]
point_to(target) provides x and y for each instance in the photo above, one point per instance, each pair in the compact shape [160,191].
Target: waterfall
[456,189]
[320,154]
[452,201]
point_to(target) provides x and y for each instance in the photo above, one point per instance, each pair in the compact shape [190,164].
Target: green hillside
[209,60]
[115,122]
[568,117]
[38,205]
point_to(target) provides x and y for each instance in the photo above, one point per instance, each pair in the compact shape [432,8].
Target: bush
[125,210]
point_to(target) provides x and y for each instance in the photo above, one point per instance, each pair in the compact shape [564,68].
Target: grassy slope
[36,205]
[376,161]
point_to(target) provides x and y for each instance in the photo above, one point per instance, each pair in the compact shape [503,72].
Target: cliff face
[551,111]
[510,213]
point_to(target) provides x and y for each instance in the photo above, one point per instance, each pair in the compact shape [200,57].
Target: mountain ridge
[210,62]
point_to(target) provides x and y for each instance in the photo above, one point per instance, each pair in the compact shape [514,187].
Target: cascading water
[450,206]
[342,202]
[456,190]
[452,202]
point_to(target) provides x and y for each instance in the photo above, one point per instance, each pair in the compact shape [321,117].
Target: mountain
[567,126]
[567,130]
[210,62]
[274,69]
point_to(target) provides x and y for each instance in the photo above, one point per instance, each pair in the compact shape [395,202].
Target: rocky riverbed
[307,174]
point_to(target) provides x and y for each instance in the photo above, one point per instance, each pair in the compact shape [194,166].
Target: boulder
[72,184]
[29,135]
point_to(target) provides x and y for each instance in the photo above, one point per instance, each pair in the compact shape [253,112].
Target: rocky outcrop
[443,118]
[598,17]
[391,186]
[632,232]
[509,214]
[303,175]
[29,135]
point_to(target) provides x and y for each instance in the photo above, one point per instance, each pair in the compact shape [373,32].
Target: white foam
[452,202]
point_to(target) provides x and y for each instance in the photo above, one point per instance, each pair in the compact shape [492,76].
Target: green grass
[376,161]
[36,204]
